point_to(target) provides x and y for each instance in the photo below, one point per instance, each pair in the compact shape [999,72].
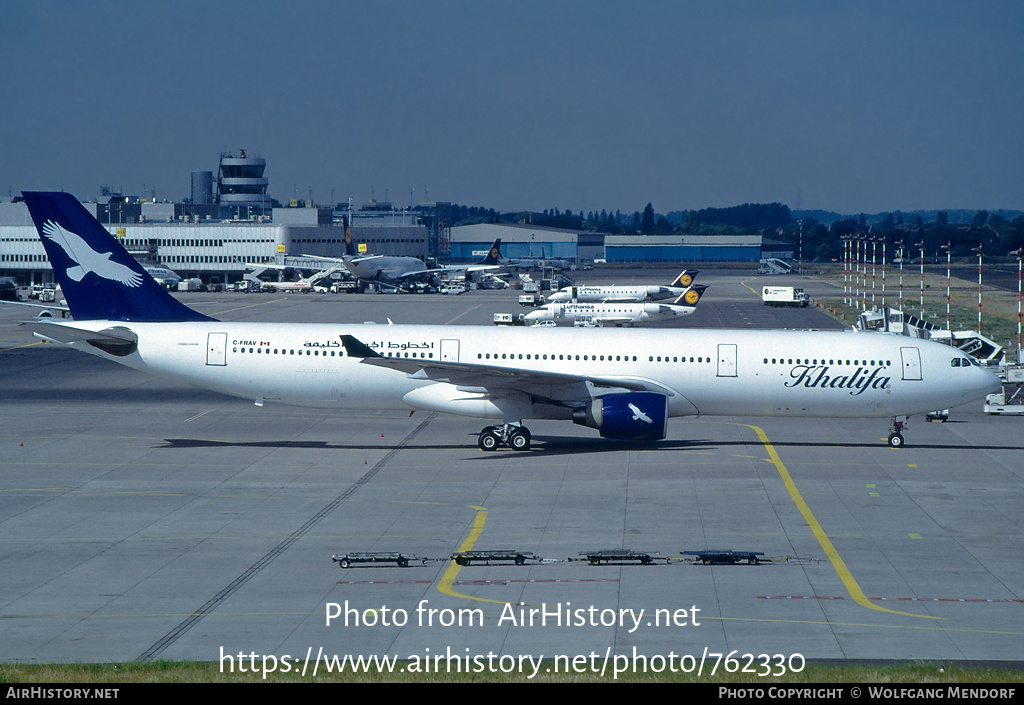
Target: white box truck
[784,296]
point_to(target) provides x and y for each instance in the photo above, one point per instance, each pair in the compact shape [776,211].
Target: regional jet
[625,384]
[616,314]
[625,293]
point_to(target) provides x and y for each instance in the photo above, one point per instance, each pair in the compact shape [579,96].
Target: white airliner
[625,293]
[624,383]
[165,277]
[616,314]
[494,256]
[303,285]
[399,271]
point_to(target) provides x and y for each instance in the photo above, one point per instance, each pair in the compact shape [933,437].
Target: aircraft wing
[336,260]
[613,320]
[364,258]
[263,267]
[557,387]
[45,307]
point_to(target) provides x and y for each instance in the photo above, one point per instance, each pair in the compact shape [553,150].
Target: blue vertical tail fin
[494,254]
[691,296]
[100,280]
[685,278]
[350,248]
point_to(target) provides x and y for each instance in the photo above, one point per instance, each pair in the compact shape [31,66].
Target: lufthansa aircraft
[522,263]
[626,384]
[625,293]
[616,314]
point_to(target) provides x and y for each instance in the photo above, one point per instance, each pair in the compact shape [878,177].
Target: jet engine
[634,416]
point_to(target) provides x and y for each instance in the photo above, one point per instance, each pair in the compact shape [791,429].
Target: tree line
[812,240]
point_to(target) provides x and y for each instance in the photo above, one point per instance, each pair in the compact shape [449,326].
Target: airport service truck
[784,296]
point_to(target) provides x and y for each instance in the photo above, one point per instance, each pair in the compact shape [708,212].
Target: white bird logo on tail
[88,259]
[639,415]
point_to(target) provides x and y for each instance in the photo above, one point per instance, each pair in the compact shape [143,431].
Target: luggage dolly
[618,556]
[345,560]
[467,557]
[708,557]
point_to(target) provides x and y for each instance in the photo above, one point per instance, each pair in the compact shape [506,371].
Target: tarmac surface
[141,519]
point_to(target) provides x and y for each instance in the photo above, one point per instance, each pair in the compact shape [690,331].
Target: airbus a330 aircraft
[621,293]
[626,384]
[620,314]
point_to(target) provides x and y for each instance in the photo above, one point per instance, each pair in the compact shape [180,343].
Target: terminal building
[217,251]
[230,223]
[521,240]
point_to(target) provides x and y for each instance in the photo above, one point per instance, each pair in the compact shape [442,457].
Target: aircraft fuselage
[708,372]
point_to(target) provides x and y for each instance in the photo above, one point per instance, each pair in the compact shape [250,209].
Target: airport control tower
[241,187]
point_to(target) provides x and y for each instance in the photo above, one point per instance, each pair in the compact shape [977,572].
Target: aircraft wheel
[489,440]
[895,440]
[520,439]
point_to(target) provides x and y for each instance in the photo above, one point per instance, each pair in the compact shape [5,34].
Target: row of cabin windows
[316,353]
[275,351]
[587,358]
[530,356]
[823,361]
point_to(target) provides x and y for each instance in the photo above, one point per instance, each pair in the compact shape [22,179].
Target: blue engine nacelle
[634,416]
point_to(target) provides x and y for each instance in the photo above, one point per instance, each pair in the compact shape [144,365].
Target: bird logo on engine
[639,415]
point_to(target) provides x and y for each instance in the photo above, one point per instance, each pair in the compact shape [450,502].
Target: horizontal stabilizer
[117,340]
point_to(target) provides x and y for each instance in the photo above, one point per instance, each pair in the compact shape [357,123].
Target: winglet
[355,348]
[100,280]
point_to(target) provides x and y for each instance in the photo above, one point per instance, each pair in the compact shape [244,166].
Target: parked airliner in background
[303,285]
[524,263]
[165,277]
[625,293]
[616,314]
[400,271]
[626,384]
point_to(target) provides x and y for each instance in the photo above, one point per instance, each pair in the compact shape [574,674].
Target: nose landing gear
[896,431]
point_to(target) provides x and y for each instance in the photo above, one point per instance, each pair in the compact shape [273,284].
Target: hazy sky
[576,104]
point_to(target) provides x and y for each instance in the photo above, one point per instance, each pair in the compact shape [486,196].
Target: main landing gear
[896,431]
[514,436]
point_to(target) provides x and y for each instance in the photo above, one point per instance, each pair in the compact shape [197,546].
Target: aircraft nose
[988,383]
